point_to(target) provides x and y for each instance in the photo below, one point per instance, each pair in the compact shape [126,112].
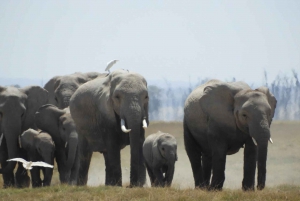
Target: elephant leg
[85,156]
[159,178]
[193,151]
[74,171]
[8,178]
[22,178]
[113,167]
[250,153]
[35,177]
[151,174]
[47,172]
[60,158]
[206,166]
[218,166]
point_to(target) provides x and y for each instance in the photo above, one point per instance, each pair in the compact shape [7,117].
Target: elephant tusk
[271,140]
[1,138]
[20,144]
[144,124]
[123,127]
[66,144]
[254,141]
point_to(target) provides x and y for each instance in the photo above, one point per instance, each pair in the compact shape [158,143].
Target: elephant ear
[217,103]
[27,139]
[47,119]
[50,86]
[271,99]
[36,97]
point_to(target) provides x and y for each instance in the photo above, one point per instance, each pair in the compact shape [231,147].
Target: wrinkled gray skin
[60,125]
[39,147]
[97,108]
[17,108]
[160,154]
[61,88]
[219,119]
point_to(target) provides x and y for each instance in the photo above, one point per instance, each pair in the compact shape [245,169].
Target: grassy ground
[283,174]
[58,192]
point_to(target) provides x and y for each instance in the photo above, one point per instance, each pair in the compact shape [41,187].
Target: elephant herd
[78,114]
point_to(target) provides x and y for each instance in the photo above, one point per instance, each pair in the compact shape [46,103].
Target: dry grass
[59,192]
[283,176]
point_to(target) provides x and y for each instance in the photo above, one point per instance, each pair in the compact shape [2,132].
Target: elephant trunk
[11,133]
[66,101]
[170,173]
[72,145]
[261,163]
[261,136]
[137,137]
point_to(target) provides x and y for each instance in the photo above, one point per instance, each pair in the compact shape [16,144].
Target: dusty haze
[282,165]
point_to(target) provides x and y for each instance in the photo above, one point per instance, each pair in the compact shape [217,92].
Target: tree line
[167,103]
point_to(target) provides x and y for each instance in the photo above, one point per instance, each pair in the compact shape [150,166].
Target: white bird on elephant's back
[28,164]
[110,64]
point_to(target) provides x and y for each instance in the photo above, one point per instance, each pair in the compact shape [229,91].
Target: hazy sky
[171,40]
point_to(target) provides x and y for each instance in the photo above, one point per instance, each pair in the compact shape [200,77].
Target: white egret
[110,64]
[28,164]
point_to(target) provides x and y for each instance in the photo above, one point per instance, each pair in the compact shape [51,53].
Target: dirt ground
[282,165]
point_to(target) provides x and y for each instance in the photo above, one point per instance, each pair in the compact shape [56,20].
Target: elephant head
[61,88]
[17,108]
[60,125]
[237,108]
[167,147]
[39,145]
[127,98]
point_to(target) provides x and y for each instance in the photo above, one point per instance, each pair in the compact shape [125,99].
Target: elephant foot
[203,188]
[22,181]
[214,188]
[248,188]
[134,186]
[8,184]
[260,187]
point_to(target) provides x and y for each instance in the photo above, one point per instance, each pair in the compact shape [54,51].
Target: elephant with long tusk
[110,113]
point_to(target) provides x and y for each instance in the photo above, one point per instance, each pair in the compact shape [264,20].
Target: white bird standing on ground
[28,165]
[110,64]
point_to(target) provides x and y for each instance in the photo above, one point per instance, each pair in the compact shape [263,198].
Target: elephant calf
[160,153]
[39,147]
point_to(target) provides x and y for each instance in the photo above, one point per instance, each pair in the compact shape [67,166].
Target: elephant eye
[22,115]
[245,116]
[163,148]
[146,97]
[56,100]
[117,97]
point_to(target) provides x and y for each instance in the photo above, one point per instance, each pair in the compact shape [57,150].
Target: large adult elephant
[61,88]
[60,125]
[219,119]
[17,108]
[105,110]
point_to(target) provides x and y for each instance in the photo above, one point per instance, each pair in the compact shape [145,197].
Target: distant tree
[16,85]
[266,78]
[154,100]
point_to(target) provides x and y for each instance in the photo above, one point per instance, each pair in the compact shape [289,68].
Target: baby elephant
[39,147]
[160,153]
